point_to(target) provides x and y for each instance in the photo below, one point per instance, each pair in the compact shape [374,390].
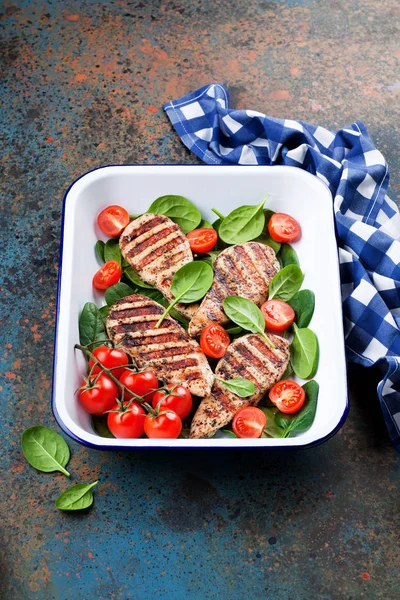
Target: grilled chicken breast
[250,357]
[242,270]
[168,350]
[156,248]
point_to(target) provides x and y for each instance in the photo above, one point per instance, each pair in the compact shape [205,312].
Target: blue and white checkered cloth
[367,221]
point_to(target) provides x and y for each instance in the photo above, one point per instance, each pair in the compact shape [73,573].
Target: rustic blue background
[82,84]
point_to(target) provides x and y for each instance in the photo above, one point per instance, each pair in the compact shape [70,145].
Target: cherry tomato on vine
[128,423]
[107,275]
[278,315]
[283,228]
[98,394]
[109,358]
[287,395]
[249,422]
[177,398]
[166,425]
[214,341]
[113,220]
[203,239]
[139,383]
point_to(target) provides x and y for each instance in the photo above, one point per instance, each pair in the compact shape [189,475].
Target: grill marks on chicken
[250,357]
[168,350]
[242,270]
[156,248]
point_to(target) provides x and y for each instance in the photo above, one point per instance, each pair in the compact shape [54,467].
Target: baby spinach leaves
[303,305]
[99,424]
[304,352]
[189,284]
[246,314]
[116,292]
[239,386]
[265,238]
[112,251]
[179,209]
[134,278]
[45,449]
[77,497]
[305,417]
[243,224]
[91,326]
[286,283]
[288,256]
[99,250]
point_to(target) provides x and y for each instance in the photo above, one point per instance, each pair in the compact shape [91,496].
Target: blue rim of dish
[131,448]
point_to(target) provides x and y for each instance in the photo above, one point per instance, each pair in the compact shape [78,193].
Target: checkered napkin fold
[367,221]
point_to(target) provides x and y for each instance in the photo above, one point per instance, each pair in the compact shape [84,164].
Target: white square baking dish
[290,190]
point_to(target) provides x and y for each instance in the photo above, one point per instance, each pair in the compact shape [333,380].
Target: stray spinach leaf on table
[247,315]
[112,251]
[304,352]
[116,292]
[286,283]
[243,224]
[91,326]
[179,209]
[45,449]
[189,284]
[303,305]
[77,497]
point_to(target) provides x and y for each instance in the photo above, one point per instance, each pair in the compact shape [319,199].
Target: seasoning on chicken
[156,248]
[168,350]
[249,357]
[242,270]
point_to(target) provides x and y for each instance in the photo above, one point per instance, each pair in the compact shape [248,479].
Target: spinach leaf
[112,251]
[305,417]
[288,256]
[304,352]
[104,310]
[243,224]
[189,284]
[246,314]
[91,326]
[45,449]
[271,429]
[209,257]
[184,434]
[224,433]
[286,283]
[235,330]
[99,424]
[204,223]
[220,245]
[76,497]
[289,371]
[265,238]
[283,421]
[239,386]
[303,305]
[116,292]
[179,209]
[99,250]
[131,274]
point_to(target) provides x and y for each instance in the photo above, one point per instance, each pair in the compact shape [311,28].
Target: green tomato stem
[220,215]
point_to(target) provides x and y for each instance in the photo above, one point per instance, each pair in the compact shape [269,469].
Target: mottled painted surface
[82,84]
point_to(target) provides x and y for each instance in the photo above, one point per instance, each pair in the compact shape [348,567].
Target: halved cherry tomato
[109,358]
[202,240]
[107,275]
[287,395]
[214,341]
[176,398]
[139,383]
[128,423]
[283,228]
[249,422]
[98,394]
[113,220]
[166,425]
[278,315]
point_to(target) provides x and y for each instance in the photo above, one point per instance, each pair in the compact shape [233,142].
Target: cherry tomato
[214,340]
[109,358]
[139,383]
[128,423]
[287,395]
[202,240]
[249,422]
[107,275]
[166,425]
[113,220]
[98,395]
[284,228]
[278,315]
[177,399]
